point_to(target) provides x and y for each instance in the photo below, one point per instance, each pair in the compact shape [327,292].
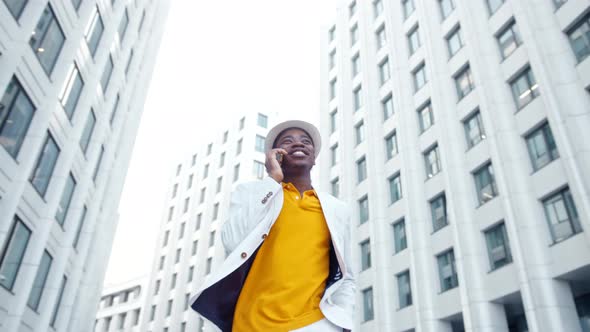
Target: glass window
[209,263]
[13,252]
[332,33]
[377,7]
[135,317]
[464,82]
[262,120]
[166,237]
[354,35]
[474,131]
[80,226]
[169,308]
[332,89]
[202,196]
[222,159]
[562,215]
[404,289]
[364,209]
[498,247]
[173,281]
[438,209]
[170,213]
[524,88]
[559,3]
[432,162]
[187,202]
[16,113]
[239,147]
[493,5]
[447,270]
[352,9]
[194,248]
[509,40]
[153,312]
[367,304]
[76,3]
[236,172]
[454,41]
[16,7]
[356,64]
[178,169]
[44,166]
[177,258]
[361,167]
[446,7]
[334,156]
[115,108]
[333,123]
[259,169]
[215,211]
[425,117]
[47,40]
[541,146]
[72,91]
[242,122]
[579,36]
[87,133]
[123,25]
[225,136]
[106,74]
[365,255]
[381,37]
[129,61]
[66,199]
[419,77]
[335,186]
[391,145]
[94,32]
[98,163]
[414,40]
[122,320]
[139,28]
[400,241]
[205,171]
[55,313]
[384,73]
[395,188]
[189,182]
[199,218]
[332,59]
[485,184]
[211,239]
[387,107]
[358,98]
[408,7]
[359,130]
[259,143]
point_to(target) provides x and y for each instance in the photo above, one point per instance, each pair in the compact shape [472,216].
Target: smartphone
[279,157]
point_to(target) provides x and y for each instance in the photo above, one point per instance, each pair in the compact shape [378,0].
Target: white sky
[217,59]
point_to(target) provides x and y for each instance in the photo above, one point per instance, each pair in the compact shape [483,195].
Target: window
[524,88]
[219,183]
[259,169]
[474,131]
[367,304]
[391,145]
[239,147]
[335,186]
[262,120]
[166,237]
[98,162]
[122,320]
[404,289]
[177,258]
[44,166]
[414,40]
[173,281]
[377,7]
[178,169]
[55,313]
[562,215]
[381,37]
[211,239]
[425,117]
[141,22]
[189,183]
[225,136]
[485,183]
[498,247]
[579,36]
[181,231]
[395,188]
[454,41]
[123,25]
[259,143]
[66,199]
[208,266]
[438,210]
[361,168]
[354,35]
[408,8]
[364,209]
[13,252]
[356,65]
[47,40]
[168,309]
[334,156]
[332,59]
[16,113]
[135,317]
[76,3]
[129,61]
[509,40]
[153,312]
[432,162]
[419,77]
[205,171]
[541,146]
[15,7]
[559,3]
[352,9]
[106,74]
[242,122]
[162,261]
[447,270]
[493,5]
[464,82]
[384,73]
[332,89]
[333,124]
[157,287]
[446,7]
[94,32]
[357,98]
[236,172]
[209,148]
[332,33]
[202,196]
[400,241]
[387,107]
[359,130]
[170,213]
[187,298]
[215,211]
[183,324]
[194,248]
[365,255]
[72,91]
[87,133]
[80,225]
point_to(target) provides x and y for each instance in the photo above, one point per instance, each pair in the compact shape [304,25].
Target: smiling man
[289,250]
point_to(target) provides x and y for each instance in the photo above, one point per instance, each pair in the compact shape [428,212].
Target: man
[289,250]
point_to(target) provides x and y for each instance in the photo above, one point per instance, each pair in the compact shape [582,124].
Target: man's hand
[273,167]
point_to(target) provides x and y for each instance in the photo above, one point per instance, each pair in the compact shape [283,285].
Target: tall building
[120,307]
[189,244]
[73,79]
[459,131]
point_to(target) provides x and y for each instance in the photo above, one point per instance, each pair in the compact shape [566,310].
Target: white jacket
[254,208]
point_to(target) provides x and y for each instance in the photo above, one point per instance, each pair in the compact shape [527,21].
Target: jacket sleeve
[248,203]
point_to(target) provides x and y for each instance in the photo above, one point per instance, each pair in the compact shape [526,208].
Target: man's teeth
[298,153]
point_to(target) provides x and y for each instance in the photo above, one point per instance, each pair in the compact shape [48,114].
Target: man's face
[299,147]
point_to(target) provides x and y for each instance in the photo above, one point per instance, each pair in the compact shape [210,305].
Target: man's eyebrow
[291,136]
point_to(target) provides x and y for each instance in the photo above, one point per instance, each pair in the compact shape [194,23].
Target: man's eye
[306,141]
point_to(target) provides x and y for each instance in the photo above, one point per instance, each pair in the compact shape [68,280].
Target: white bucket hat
[310,129]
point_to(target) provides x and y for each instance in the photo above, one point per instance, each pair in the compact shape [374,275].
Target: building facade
[73,79]
[189,244]
[458,130]
[120,307]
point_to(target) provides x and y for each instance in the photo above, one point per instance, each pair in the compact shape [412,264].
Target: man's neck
[301,181]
